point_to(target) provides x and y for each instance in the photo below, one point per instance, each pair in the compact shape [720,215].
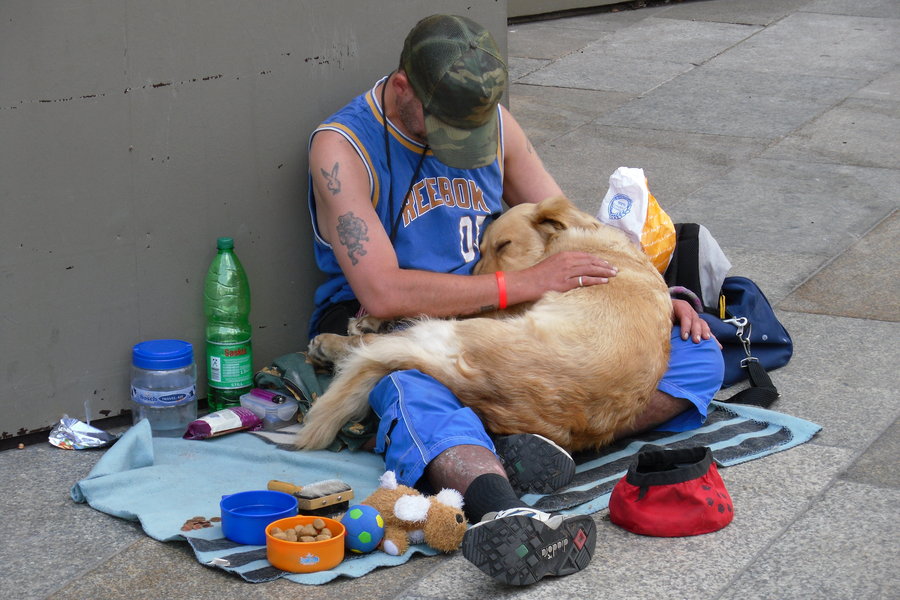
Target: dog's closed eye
[501,246]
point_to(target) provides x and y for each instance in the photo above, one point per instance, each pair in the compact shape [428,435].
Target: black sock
[489,492]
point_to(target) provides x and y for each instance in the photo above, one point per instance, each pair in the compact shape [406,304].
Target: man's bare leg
[660,409]
[459,466]
[478,475]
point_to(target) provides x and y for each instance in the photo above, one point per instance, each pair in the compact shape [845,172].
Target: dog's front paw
[326,348]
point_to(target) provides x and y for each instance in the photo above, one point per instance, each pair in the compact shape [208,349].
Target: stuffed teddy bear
[411,517]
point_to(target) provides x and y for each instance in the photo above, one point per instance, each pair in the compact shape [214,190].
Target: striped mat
[735,434]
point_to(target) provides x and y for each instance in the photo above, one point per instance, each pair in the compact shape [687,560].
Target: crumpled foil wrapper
[72,434]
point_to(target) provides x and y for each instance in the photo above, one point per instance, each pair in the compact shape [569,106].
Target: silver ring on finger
[580,281]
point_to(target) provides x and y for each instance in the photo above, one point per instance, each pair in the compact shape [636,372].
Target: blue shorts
[695,374]
[420,418]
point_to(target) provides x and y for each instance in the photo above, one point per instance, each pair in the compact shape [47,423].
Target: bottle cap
[161,355]
[224,243]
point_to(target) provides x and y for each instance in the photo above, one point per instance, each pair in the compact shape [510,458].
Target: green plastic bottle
[229,354]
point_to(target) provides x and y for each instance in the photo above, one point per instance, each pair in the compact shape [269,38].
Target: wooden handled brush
[317,496]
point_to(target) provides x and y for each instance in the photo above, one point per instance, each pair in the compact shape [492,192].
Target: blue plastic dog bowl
[246,514]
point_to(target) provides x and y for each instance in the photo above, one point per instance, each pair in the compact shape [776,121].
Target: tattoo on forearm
[331,179]
[483,309]
[352,232]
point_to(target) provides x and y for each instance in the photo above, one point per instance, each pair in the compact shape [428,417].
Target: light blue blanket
[163,482]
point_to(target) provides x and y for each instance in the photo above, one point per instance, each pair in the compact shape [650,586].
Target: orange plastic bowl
[305,557]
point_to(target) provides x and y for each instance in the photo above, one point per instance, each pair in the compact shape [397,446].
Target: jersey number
[469,235]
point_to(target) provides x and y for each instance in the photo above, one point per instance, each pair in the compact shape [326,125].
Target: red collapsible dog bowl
[671,493]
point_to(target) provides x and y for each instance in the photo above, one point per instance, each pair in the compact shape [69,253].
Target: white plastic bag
[713,265]
[625,204]
[629,206]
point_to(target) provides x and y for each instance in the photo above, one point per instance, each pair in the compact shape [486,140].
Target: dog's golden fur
[575,367]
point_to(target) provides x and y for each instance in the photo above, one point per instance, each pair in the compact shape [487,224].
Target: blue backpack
[753,339]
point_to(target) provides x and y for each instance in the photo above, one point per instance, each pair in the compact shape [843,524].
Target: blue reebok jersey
[440,224]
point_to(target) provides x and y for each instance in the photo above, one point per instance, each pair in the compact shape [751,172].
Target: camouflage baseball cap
[456,71]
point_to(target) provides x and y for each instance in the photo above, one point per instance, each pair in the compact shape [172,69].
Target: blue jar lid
[161,355]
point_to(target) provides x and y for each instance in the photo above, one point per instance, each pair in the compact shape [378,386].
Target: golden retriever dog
[575,367]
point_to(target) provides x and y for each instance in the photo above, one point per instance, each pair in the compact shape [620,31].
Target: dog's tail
[422,347]
[347,397]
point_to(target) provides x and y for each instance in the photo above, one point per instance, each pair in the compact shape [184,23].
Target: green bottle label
[229,366]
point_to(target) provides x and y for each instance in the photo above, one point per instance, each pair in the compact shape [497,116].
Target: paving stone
[624,74]
[886,88]
[150,570]
[858,132]
[811,44]
[758,12]
[520,67]
[888,9]
[546,40]
[820,557]
[48,538]
[740,102]
[778,272]
[691,42]
[877,466]
[546,113]
[642,58]
[843,376]
[676,163]
[808,208]
[860,283]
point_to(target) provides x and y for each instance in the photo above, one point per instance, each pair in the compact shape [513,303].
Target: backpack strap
[684,268]
[762,392]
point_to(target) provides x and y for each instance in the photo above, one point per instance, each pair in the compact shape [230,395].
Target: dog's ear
[551,216]
[558,213]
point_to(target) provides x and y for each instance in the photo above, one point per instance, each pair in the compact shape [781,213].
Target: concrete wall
[135,132]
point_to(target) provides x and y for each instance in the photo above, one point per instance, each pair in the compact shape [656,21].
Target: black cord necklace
[387,152]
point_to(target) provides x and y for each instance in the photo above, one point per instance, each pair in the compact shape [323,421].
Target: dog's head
[522,236]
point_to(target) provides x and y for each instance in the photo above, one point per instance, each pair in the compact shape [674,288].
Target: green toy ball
[365,528]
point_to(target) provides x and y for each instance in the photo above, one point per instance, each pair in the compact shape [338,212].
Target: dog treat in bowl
[317,531]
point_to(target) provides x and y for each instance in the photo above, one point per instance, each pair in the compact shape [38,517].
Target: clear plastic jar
[164,386]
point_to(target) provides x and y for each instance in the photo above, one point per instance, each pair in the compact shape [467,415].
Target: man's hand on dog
[564,271]
[692,326]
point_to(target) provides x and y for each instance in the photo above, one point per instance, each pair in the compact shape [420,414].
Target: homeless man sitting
[435,126]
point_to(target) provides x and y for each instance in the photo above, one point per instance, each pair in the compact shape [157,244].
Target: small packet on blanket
[223,421]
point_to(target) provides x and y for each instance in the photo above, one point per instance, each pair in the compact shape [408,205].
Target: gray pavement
[777,124]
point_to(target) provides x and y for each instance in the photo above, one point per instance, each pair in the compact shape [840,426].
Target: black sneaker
[520,546]
[534,464]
